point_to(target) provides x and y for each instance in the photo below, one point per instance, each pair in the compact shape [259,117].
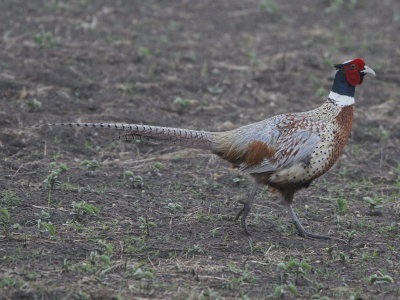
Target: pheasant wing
[290,148]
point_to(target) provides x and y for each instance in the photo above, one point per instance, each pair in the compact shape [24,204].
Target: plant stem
[49,198]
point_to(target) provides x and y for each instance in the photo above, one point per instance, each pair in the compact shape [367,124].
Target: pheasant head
[354,70]
[348,75]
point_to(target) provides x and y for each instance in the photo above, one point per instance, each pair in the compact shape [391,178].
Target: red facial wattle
[353,69]
[353,77]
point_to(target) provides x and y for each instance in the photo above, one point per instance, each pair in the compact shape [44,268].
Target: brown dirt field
[144,221]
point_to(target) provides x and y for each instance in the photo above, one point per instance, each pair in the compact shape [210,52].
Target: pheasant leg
[301,229]
[243,213]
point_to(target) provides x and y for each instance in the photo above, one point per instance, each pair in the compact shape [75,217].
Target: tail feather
[168,135]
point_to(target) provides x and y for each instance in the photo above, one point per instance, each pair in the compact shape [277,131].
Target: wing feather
[291,148]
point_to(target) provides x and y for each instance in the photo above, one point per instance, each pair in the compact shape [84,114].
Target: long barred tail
[166,135]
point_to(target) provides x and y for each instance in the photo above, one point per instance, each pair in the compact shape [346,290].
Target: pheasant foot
[243,213]
[301,229]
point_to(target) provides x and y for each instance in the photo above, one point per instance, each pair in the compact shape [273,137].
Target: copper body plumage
[286,152]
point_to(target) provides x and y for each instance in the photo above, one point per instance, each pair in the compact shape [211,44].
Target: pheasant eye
[352,67]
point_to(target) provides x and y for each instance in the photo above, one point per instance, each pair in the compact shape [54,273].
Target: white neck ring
[341,100]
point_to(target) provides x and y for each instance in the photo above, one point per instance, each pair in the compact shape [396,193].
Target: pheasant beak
[368,70]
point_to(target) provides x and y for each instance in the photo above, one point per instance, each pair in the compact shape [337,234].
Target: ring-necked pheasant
[286,152]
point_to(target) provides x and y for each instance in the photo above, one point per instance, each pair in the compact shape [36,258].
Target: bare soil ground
[143,221]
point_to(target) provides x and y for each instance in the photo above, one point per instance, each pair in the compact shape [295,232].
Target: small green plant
[344,258]
[144,52]
[195,249]
[84,296]
[82,208]
[35,104]
[4,215]
[269,6]
[214,231]
[173,25]
[9,198]
[334,6]
[238,180]
[46,227]
[281,290]
[139,272]
[241,275]
[254,59]
[9,282]
[128,174]
[396,170]
[164,39]
[174,207]
[107,247]
[135,181]
[337,5]
[146,225]
[209,294]
[356,296]
[5,220]
[52,181]
[91,164]
[136,244]
[78,226]
[92,147]
[289,273]
[370,254]
[127,88]
[182,104]
[16,226]
[98,261]
[341,205]
[214,90]
[61,167]
[299,267]
[380,278]
[44,39]
[157,165]
[350,235]
[44,215]
[374,202]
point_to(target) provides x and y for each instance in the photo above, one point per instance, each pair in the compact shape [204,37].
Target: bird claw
[240,211]
[301,229]
[245,230]
[239,214]
[243,213]
[307,234]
